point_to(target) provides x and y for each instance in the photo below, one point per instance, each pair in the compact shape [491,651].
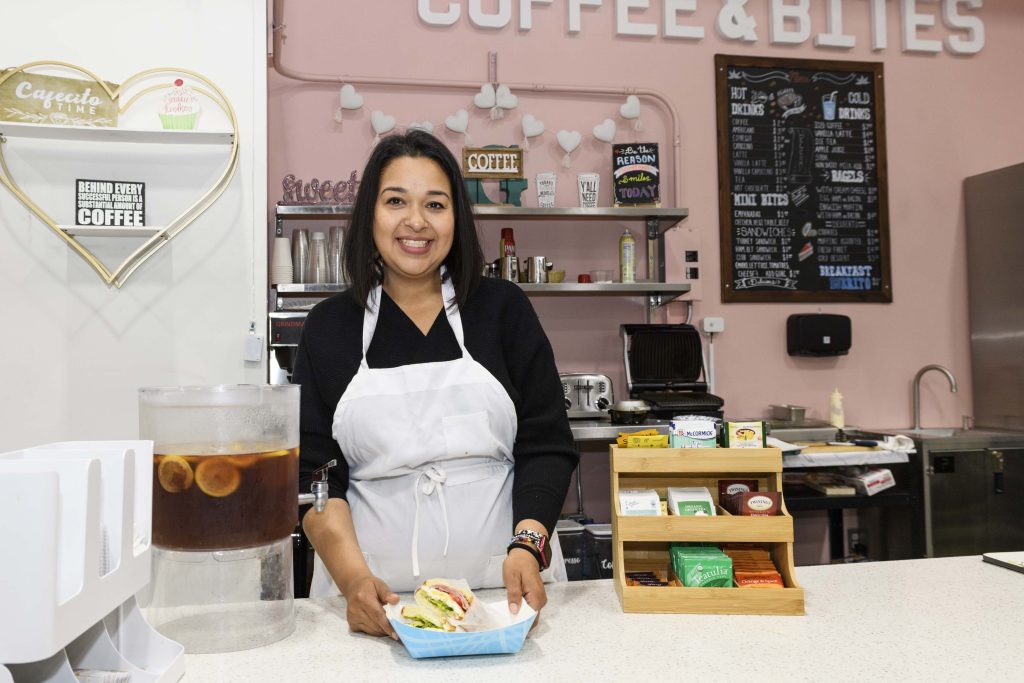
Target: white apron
[429,450]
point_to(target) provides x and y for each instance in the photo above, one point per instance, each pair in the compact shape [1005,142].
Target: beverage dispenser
[225,485]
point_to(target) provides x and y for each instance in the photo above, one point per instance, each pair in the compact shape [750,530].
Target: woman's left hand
[522,580]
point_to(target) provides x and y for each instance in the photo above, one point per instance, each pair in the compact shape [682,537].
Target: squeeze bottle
[835,410]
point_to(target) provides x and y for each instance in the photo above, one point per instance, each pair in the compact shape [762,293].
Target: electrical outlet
[857,542]
[714,325]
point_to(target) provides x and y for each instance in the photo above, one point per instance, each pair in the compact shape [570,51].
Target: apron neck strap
[451,310]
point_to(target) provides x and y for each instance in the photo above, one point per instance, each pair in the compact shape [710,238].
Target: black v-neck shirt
[502,333]
[398,341]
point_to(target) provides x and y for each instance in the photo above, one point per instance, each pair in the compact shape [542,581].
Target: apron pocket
[492,577]
[468,434]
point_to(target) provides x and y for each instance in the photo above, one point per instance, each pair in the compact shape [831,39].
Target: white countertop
[937,619]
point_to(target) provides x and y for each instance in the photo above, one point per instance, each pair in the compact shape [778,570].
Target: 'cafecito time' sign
[32,98]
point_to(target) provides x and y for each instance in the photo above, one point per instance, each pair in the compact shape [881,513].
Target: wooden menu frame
[802,167]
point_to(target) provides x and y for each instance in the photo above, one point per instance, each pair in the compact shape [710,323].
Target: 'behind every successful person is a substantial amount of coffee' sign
[110,203]
[802,176]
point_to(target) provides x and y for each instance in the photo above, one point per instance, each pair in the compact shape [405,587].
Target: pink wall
[948,117]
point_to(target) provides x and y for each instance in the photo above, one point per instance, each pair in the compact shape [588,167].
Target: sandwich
[441,605]
[426,618]
[451,598]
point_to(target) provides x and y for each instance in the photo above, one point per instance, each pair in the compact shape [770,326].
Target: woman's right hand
[366,596]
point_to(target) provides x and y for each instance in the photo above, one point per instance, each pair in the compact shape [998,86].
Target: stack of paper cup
[300,255]
[318,258]
[281,262]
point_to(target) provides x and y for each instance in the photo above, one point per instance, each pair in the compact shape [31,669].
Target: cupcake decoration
[180,109]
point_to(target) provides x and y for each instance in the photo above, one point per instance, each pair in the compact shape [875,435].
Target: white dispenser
[78,514]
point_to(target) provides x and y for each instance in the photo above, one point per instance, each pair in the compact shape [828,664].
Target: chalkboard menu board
[802,180]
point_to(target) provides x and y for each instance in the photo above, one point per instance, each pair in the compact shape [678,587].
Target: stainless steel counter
[604,430]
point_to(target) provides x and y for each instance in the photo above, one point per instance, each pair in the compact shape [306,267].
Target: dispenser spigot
[319,488]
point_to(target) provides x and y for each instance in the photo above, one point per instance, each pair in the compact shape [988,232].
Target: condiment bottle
[627,257]
[835,410]
[508,243]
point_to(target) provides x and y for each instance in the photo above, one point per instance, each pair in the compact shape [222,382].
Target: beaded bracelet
[533,542]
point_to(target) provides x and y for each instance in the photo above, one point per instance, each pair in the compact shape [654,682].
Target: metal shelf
[312,288]
[665,218]
[656,289]
[45,131]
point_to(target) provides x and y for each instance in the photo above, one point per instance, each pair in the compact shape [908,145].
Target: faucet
[318,497]
[917,389]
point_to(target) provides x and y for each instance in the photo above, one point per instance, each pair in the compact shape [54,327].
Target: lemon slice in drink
[174,473]
[217,477]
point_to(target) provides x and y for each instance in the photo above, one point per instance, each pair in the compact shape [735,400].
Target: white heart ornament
[350,99]
[631,109]
[532,127]
[381,122]
[485,99]
[504,98]
[120,274]
[426,126]
[605,131]
[458,122]
[569,139]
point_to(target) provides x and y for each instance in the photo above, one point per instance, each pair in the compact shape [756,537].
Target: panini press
[665,368]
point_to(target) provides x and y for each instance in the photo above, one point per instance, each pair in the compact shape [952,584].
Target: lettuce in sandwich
[426,618]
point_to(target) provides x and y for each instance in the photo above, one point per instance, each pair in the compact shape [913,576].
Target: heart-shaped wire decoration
[119,275]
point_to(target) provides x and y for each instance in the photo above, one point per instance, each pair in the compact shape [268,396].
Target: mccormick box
[693,431]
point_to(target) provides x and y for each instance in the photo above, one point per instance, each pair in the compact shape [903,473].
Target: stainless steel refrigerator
[977,493]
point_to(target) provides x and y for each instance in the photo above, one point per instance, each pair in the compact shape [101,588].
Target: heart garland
[348,98]
[497,100]
[120,274]
[631,110]
[531,129]
[459,123]
[568,140]
[381,123]
[605,131]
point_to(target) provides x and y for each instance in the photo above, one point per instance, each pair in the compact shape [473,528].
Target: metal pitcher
[510,268]
[537,268]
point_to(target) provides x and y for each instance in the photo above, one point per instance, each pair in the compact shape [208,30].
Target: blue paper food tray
[421,643]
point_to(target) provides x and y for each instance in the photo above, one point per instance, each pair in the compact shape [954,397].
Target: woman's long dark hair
[362,263]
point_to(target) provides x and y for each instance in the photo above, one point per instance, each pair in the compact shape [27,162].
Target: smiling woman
[436,392]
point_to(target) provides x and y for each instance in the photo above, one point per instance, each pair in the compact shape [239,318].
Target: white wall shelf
[109,134]
[87,231]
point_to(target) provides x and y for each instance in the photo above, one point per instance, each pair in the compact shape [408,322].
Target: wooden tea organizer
[641,543]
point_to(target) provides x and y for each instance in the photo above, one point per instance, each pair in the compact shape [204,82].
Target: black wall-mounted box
[818,334]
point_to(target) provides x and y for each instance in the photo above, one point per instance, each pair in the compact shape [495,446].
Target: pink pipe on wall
[279,67]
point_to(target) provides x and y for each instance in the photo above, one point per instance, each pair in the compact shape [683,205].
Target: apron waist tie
[435,480]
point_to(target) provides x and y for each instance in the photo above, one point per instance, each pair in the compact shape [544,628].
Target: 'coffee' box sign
[492,162]
[110,203]
[34,98]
